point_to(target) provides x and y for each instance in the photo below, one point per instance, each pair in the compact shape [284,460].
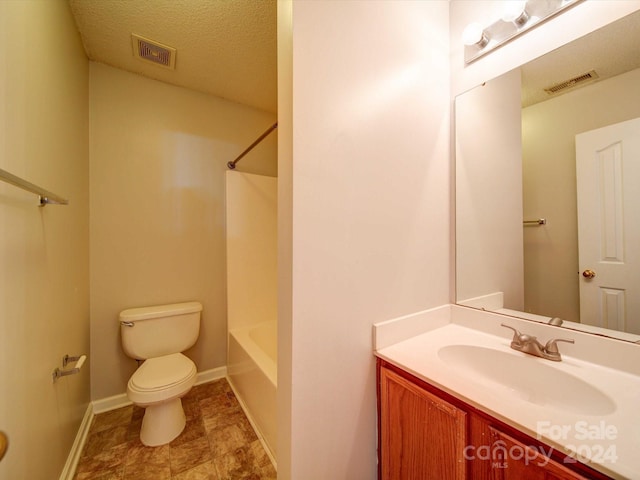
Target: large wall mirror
[548,187]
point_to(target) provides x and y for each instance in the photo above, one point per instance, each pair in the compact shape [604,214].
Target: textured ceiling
[225,48]
[610,51]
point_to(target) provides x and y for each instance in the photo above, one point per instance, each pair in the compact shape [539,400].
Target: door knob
[3,444]
[588,273]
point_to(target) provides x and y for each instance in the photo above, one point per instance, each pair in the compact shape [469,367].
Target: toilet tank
[149,332]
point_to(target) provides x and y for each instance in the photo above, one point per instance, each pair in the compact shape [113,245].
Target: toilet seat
[161,378]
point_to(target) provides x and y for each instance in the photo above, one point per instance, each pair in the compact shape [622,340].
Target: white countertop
[607,440]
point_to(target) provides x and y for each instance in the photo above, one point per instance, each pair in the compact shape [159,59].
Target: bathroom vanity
[456,402]
[427,433]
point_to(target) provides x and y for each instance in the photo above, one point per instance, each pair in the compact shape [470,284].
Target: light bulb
[515,11]
[474,34]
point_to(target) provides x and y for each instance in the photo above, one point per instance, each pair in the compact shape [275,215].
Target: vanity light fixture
[474,35]
[518,17]
[515,11]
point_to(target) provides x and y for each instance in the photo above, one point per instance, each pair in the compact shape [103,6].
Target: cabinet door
[422,436]
[513,460]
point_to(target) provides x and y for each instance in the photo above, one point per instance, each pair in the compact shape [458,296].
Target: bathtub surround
[251,240]
[157,208]
[252,281]
[44,252]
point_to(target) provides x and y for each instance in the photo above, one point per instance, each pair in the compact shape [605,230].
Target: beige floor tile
[141,454]
[204,471]
[109,462]
[218,404]
[260,457]
[189,454]
[226,439]
[237,464]
[211,389]
[104,440]
[114,418]
[269,473]
[101,475]
[217,443]
[147,471]
[193,429]
[223,418]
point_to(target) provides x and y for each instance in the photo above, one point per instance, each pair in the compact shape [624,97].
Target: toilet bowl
[157,335]
[158,386]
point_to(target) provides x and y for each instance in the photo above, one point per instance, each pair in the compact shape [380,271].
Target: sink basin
[527,378]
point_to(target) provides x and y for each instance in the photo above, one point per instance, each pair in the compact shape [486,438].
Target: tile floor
[218,443]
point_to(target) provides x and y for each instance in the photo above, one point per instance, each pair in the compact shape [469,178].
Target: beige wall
[488,171]
[285,235]
[549,130]
[369,217]
[44,279]
[158,157]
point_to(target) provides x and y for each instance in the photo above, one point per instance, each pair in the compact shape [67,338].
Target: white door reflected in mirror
[607,172]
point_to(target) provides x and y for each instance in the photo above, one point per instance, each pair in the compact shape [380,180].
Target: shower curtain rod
[232,165]
[46,196]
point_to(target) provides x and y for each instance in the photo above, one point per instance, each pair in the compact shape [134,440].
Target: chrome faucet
[529,344]
[555,321]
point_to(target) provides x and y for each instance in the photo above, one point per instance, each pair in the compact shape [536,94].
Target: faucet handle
[517,336]
[551,348]
[552,345]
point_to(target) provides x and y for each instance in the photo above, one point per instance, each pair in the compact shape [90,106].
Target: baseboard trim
[211,375]
[121,400]
[70,466]
[111,403]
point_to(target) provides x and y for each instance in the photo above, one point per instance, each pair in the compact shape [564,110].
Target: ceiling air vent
[152,51]
[572,82]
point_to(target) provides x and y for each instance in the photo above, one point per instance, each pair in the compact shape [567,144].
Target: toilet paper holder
[80,359]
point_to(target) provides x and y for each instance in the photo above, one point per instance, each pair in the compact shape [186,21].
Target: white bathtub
[252,370]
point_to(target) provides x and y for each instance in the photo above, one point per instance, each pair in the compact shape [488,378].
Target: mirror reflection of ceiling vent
[154,52]
[572,82]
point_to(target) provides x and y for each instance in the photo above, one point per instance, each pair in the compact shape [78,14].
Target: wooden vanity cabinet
[529,463]
[427,434]
[420,433]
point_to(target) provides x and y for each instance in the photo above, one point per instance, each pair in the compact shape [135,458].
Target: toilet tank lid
[145,313]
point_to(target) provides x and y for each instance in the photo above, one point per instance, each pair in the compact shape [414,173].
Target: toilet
[158,335]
